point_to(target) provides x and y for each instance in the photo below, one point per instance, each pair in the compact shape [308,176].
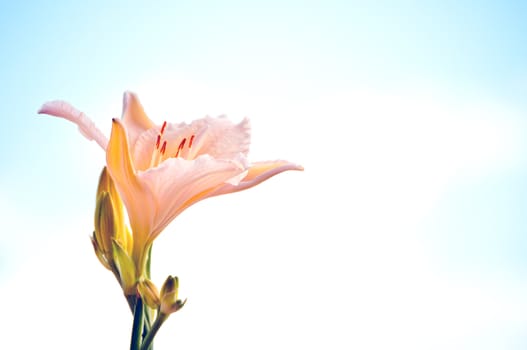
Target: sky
[406,229]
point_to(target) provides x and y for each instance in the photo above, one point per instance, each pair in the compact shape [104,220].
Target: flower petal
[257,173]
[144,148]
[220,138]
[137,197]
[178,183]
[217,137]
[134,117]
[86,126]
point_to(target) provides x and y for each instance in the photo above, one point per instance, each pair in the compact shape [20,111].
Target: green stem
[148,321]
[138,325]
[147,325]
[153,331]
[149,261]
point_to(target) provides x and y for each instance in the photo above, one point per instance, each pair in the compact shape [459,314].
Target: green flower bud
[149,293]
[169,296]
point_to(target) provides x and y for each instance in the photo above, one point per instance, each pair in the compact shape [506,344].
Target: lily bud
[169,296]
[122,234]
[109,223]
[105,225]
[100,253]
[149,293]
[106,184]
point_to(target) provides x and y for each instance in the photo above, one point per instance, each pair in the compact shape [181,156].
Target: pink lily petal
[86,126]
[178,183]
[258,172]
[217,137]
[134,117]
[221,138]
[144,147]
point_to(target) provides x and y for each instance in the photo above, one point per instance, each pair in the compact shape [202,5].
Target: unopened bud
[99,253]
[169,296]
[105,225]
[149,293]
[109,223]
[106,184]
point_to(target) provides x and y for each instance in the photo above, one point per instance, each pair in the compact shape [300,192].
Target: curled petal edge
[257,173]
[87,128]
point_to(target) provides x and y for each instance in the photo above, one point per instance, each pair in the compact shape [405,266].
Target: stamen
[163,148]
[163,127]
[180,147]
[158,141]
[190,143]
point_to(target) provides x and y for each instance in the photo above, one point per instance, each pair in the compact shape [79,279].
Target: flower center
[164,150]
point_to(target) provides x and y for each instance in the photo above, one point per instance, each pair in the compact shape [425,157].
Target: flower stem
[138,325]
[147,324]
[153,331]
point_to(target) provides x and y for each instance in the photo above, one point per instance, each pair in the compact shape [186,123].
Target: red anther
[190,143]
[182,144]
[158,141]
[163,127]
[180,147]
[163,148]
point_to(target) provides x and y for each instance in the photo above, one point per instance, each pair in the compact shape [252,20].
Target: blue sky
[407,230]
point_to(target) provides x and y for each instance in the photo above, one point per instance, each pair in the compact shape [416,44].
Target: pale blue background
[406,231]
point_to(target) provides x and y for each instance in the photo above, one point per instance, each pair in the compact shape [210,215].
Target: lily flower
[160,170]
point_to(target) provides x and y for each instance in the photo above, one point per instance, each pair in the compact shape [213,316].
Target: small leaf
[126,268]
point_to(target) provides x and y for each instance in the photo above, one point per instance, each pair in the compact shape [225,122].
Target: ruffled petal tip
[63,109]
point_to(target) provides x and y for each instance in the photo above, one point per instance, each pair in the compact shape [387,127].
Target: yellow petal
[128,243]
[137,197]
